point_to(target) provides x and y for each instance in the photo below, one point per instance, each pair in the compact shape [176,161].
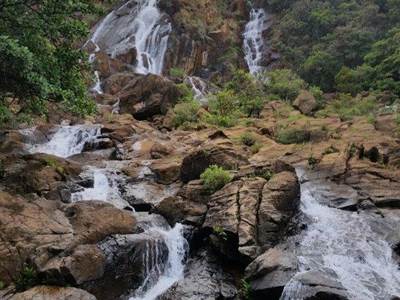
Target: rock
[86,263]
[305,102]
[129,258]
[116,82]
[194,191]
[316,285]
[146,96]
[198,161]
[40,230]
[280,200]
[204,279]
[52,293]
[167,170]
[270,272]
[107,65]
[176,209]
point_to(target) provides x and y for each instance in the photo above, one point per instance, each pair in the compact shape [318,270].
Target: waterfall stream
[349,245]
[138,25]
[253,41]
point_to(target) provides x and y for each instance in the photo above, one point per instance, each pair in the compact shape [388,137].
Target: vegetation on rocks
[215,178]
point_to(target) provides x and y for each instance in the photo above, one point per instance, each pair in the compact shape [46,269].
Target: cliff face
[207,35]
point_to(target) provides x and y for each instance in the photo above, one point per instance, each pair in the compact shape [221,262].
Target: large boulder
[52,293]
[46,234]
[146,96]
[305,102]
[198,161]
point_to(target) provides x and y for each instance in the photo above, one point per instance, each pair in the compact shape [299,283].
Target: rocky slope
[103,219]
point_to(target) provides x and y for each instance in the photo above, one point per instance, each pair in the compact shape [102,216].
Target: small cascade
[349,245]
[138,26]
[67,140]
[105,188]
[160,278]
[97,86]
[253,43]
[199,88]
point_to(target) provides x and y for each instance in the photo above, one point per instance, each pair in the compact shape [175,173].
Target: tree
[39,58]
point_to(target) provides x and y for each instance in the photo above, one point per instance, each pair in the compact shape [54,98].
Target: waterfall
[67,140]
[140,25]
[160,282]
[348,244]
[253,42]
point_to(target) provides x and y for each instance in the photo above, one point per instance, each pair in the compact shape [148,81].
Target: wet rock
[146,96]
[204,279]
[53,292]
[195,163]
[270,272]
[129,259]
[176,209]
[280,201]
[305,102]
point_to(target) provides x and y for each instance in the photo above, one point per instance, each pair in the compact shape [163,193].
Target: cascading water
[348,244]
[67,141]
[253,43]
[158,282]
[140,25]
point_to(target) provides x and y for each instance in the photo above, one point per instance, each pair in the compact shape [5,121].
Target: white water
[105,188]
[174,271]
[67,141]
[346,243]
[97,85]
[136,25]
[199,88]
[253,43]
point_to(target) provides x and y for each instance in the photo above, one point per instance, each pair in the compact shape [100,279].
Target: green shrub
[266,174]
[256,148]
[215,178]
[248,139]
[221,121]
[186,112]
[347,107]
[292,136]
[220,232]
[245,290]
[186,93]
[177,72]
[312,161]
[2,285]
[27,278]
[284,83]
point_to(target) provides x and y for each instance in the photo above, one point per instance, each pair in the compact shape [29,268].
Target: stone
[176,209]
[167,170]
[116,82]
[305,102]
[52,293]
[147,96]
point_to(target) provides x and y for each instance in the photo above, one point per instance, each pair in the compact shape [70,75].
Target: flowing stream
[137,26]
[253,41]
[349,245]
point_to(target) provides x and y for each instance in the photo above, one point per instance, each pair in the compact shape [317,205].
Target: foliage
[27,278]
[223,108]
[248,139]
[215,178]
[284,83]
[220,232]
[39,59]
[324,40]
[292,136]
[186,112]
[245,290]
[266,174]
[312,161]
[177,72]
[347,107]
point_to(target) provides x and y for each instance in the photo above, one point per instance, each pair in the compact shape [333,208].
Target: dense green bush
[292,136]
[248,139]
[284,83]
[186,112]
[215,178]
[177,72]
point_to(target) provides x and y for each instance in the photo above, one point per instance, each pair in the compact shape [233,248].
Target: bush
[292,136]
[215,178]
[177,72]
[284,83]
[224,109]
[248,139]
[186,112]
[27,278]
[347,107]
